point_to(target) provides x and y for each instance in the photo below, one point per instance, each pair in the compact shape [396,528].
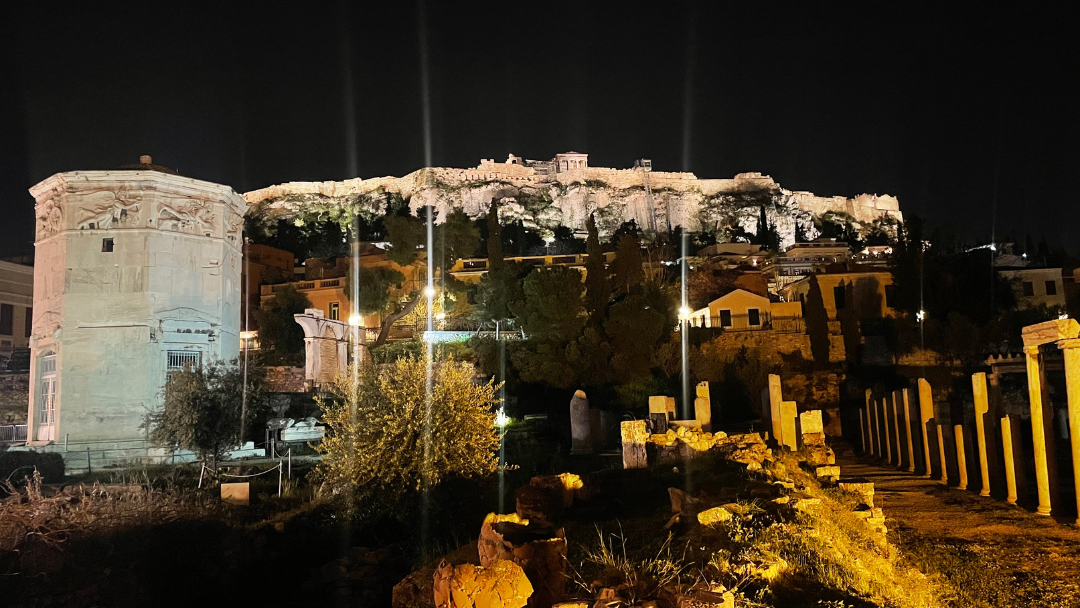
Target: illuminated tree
[382,439]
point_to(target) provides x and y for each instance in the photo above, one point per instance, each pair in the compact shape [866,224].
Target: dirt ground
[990,552]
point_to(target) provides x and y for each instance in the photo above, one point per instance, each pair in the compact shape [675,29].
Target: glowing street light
[429,291]
[685,312]
[920,316]
[501,419]
[355,320]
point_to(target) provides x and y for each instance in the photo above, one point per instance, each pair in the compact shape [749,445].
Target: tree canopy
[281,339]
[384,439]
[202,408]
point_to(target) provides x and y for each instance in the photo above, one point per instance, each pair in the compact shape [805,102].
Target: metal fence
[759,322]
[13,433]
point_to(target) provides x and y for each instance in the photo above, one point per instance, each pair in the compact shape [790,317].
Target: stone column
[885,428]
[941,453]
[776,397]
[789,411]
[862,430]
[634,436]
[878,441]
[896,428]
[1071,348]
[1010,465]
[982,406]
[869,424]
[926,414]
[703,407]
[580,431]
[1038,431]
[907,432]
[961,455]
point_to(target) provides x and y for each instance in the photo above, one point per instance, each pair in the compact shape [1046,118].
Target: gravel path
[993,553]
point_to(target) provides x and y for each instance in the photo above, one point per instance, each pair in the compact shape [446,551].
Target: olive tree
[202,407]
[384,439]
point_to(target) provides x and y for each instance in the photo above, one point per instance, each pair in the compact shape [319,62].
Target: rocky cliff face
[543,200]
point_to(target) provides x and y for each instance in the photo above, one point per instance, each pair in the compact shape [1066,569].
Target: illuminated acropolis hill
[565,190]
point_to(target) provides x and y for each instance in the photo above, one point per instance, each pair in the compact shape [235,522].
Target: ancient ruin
[565,190]
[137,274]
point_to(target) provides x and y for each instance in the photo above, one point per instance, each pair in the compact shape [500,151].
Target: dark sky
[942,107]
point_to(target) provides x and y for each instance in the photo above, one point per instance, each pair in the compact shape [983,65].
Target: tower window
[107,245]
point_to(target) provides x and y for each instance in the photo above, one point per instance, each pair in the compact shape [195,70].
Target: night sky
[945,108]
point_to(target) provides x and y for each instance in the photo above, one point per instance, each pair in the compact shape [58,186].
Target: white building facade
[137,272]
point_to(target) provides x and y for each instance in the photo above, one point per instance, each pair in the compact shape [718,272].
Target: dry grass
[29,515]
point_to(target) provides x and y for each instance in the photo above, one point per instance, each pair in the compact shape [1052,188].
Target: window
[1029,288]
[7,319]
[335,311]
[1051,288]
[890,296]
[29,321]
[753,317]
[107,245]
[839,297]
[46,389]
[179,359]
[725,318]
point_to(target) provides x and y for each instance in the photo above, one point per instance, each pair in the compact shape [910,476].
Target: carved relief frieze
[192,216]
[234,227]
[117,208]
[50,219]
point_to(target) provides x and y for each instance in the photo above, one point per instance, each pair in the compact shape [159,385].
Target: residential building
[469,270]
[742,310]
[137,274]
[1034,287]
[324,282]
[801,259]
[870,291]
[263,265]
[16,308]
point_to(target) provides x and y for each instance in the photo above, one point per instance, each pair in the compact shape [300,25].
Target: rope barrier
[280,469]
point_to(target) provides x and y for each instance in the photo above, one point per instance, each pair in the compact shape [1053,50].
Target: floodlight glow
[920,316]
[440,316]
[355,320]
[501,419]
[429,291]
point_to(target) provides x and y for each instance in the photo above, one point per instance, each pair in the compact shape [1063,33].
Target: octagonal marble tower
[137,272]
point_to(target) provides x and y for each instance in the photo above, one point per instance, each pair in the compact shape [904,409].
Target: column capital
[1031,350]
[1069,343]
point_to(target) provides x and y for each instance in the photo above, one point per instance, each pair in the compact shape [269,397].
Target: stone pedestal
[982,407]
[580,424]
[961,456]
[634,436]
[926,414]
[906,411]
[811,430]
[658,414]
[1010,464]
